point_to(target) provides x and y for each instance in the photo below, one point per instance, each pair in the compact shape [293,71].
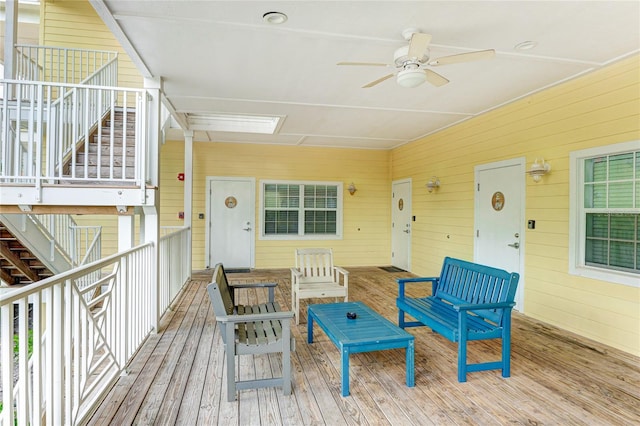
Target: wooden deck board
[557,377]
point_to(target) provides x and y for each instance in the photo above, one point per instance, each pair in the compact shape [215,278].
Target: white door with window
[231,215]
[401,224]
[499,218]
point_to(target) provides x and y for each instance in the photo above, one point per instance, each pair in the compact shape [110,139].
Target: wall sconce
[352,188]
[539,169]
[433,183]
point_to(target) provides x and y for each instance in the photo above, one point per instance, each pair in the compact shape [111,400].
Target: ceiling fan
[412,62]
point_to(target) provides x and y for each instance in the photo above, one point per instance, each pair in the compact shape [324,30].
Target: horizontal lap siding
[598,109]
[366,216]
[75,24]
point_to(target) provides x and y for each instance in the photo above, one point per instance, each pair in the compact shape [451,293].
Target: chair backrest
[220,293]
[316,264]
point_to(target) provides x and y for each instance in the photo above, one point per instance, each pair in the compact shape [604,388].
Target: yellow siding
[598,109]
[75,24]
[366,217]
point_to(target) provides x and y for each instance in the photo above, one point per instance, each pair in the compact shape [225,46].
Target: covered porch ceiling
[221,57]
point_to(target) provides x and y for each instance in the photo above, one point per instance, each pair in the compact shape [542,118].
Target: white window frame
[577,226]
[289,237]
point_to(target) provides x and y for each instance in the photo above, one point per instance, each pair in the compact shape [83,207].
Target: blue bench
[468,302]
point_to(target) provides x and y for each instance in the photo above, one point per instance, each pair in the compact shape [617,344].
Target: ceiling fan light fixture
[274,18]
[411,77]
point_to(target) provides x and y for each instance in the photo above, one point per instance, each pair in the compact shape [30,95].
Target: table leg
[410,364]
[309,328]
[345,372]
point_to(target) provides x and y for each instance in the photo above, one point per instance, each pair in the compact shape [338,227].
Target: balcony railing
[64,65]
[82,335]
[46,134]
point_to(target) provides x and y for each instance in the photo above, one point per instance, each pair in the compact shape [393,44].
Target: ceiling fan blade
[464,57]
[378,81]
[370,64]
[435,78]
[418,45]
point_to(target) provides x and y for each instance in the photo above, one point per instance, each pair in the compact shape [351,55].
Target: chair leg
[230,350]
[286,358]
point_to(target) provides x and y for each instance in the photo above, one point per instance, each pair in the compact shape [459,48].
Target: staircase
[110,147]
[18,265]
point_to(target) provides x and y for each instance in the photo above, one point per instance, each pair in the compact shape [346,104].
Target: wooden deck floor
[557,378]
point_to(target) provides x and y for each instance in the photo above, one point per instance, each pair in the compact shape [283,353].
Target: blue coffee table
[368,332]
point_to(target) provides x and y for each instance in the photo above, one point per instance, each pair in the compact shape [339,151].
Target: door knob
[406,231]
[514,245]
[248,228]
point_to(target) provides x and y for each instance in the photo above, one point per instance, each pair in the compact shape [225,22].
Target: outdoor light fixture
[274,18]
[352,188]
[539,169]
[433,183]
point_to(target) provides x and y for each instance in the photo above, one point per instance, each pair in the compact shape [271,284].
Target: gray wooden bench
[468,302]
[255,329]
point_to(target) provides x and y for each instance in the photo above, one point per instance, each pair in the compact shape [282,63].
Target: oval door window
[230,202]
[497,201]
[400,204]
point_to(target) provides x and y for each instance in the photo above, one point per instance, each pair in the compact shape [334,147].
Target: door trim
[207,240]
[521,162]
[400,181]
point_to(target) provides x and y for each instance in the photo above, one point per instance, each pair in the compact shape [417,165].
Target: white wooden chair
[315,276]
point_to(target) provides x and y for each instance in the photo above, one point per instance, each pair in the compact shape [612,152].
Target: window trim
[298,237]
[577,231]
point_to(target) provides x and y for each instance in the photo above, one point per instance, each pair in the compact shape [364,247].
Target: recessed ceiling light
[274,18]
[526,45]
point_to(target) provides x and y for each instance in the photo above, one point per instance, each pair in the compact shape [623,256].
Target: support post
[151,221]
[10,37]
[188,194]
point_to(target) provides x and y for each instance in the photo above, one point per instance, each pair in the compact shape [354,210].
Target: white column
[10,37]
[188,193]
[126,232]
[151,221]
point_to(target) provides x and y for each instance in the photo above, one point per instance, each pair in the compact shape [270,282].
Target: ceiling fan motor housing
[401,58]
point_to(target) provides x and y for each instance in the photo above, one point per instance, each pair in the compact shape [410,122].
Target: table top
[367,327]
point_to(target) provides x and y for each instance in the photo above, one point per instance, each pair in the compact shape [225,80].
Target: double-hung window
[301,210]
[605,213]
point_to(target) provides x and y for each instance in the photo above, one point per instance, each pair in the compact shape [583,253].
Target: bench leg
[401,318]
[462,347]
[506,345]
[345,372]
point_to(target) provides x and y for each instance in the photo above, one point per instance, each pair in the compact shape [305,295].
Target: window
[605,213]
[301,210]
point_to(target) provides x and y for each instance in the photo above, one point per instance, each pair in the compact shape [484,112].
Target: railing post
[10,37]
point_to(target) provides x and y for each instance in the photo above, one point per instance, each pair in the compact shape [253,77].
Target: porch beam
[17,263]
[6,277]
[188,191]
[104,210]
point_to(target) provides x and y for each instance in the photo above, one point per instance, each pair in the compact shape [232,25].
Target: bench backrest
[220,293]
[316,264]
[462,281]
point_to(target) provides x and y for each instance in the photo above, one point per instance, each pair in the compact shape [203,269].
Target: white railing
[55,131]
[60,64]
[174,267]
[82,335]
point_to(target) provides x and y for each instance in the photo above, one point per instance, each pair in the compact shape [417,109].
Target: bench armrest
[341,270]
[402,281]
[269,286]
[269,316]
[481,306]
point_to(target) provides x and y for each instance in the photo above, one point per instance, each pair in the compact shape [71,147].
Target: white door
[231,217]
[401,224]
[499,218]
